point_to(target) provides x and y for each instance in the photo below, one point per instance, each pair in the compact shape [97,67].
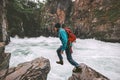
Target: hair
[57,25]
[63,25]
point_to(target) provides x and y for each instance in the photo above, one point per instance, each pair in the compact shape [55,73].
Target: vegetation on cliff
[25,17]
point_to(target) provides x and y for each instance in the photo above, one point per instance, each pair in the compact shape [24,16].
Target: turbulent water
[101,56]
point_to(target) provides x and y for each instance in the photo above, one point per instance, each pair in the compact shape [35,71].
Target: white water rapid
[104,57]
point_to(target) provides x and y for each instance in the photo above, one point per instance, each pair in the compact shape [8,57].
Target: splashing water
[104,57]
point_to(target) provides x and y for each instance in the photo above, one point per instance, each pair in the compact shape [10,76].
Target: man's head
[57,26]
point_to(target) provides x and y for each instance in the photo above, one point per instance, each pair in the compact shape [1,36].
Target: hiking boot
[77,69]
[59,62]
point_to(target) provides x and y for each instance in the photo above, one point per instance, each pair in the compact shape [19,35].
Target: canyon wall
[99,19]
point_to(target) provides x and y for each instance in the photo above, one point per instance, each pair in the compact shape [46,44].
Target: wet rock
[3,23]
[87,73]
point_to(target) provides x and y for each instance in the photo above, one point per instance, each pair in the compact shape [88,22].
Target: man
[62,34]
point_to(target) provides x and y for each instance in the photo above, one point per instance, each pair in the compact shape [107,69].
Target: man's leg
[70,59]
[59,56]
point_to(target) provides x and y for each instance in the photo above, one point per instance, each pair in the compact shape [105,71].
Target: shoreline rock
[32,70]
[87,73]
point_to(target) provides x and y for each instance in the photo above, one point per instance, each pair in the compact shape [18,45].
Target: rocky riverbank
[33,70]
[36,69]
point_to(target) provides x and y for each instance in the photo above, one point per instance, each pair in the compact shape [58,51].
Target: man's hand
[61,52]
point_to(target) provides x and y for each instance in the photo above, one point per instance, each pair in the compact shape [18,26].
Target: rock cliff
[99,19]
[87,73]
[3,23]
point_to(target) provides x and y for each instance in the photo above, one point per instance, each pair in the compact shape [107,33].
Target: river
[104,57]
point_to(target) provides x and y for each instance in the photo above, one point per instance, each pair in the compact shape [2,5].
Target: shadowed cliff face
[3,23]
[98,19]
[1,11]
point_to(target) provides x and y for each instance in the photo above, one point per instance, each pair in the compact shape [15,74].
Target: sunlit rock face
[98,19]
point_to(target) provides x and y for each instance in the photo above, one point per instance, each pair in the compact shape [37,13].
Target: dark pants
[69,56]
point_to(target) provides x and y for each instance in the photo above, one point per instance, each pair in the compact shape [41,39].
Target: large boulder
[32,70]
[87,73]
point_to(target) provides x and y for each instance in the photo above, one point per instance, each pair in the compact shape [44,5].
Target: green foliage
[114,12]
[24,17]
[99,13]
[110,13]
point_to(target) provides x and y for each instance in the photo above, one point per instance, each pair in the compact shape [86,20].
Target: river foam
[101,56]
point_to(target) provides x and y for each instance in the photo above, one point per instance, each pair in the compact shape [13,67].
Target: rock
[32,70]
[4,65]
[87,73]
[3,74]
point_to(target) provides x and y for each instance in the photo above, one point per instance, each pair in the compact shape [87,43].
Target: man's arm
[64,40]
